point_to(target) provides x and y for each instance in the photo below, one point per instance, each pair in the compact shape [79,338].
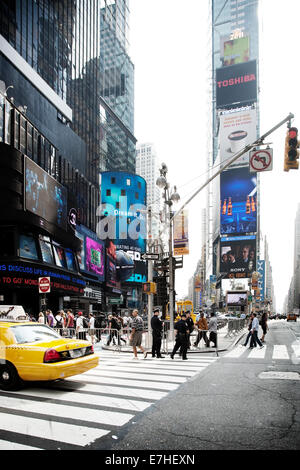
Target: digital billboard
[236,299]
[238,256]
[236,84]
[236,51]
[237,130]
[238,210]
[91,256]
[122,219]
[44,196]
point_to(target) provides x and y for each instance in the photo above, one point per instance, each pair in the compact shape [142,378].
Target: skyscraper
[147,166]
[233,198]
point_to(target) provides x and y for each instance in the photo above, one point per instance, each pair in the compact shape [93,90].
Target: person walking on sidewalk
[191,327]
[254,330]
[213,330]
[182,333]
[250,331]
[157,326]
[264,326]
[202,327]
[136,335]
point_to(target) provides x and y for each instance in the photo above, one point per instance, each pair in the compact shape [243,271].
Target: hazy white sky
[169,49]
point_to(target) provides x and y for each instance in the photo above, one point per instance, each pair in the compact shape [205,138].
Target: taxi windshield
[33,333]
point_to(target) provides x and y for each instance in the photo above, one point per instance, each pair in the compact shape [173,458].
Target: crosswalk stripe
[150,370]
[132,382]
[112,390]
[280,352]
[6,445]
[53,430]
[74,397]
[257,353]
[131,375]
[63,411]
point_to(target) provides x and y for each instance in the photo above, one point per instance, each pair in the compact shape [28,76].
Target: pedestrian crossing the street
[272,352]
[75,412]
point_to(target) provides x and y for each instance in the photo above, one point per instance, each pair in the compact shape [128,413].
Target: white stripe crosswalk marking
[151,370]
[280,352]
[74,397]
[133,383]
[63,411]
[66,433]
[257,353]
[6,445]
[236,352]
[115,390]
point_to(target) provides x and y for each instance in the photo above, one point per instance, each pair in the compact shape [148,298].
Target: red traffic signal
[291,153]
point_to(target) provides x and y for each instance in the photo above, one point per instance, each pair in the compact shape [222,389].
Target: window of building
[108,192]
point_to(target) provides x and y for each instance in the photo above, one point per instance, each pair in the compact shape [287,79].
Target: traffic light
[291,153]
[149,288]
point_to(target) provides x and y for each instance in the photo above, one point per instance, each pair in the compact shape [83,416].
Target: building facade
[61,132]
[233,197]
[147,166]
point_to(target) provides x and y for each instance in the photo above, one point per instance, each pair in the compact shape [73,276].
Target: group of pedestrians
[253,328]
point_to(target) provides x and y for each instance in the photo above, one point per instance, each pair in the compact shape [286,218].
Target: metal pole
[150,277]
[171,278]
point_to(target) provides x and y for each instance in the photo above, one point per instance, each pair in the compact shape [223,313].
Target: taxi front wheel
[9,377]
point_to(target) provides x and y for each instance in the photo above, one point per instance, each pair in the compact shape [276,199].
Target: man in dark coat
[157,327]
[182,336]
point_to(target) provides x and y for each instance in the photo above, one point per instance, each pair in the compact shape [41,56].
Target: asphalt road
[239,402]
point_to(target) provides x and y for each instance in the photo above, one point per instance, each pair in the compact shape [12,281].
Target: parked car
[32,351]
[291,317]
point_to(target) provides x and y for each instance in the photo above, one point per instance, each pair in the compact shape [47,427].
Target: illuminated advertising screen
[91,256]
[236,131]
[44,196]
[236,299]
[238,256]
[238,201]
[236,51]
[236,84]
[123,219]
[28,247]
[123,202]
[94,256]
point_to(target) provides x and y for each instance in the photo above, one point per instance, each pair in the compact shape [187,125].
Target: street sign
[261,160]
[150,256]
[44,285]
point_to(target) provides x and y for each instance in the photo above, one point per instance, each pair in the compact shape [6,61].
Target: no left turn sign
[261,160]
[44,285]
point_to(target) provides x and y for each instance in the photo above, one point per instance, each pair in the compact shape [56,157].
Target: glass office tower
[234,110]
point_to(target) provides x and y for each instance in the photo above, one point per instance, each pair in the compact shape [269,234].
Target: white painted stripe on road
[86,398]
[236,352]
[257,353]
[280,352]
[137,375]
[6,445]
[112,390]
[296,349]
[66,411]
[150,369]
[44,429]
[132,383]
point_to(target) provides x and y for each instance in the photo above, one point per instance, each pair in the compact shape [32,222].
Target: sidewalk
[225,343]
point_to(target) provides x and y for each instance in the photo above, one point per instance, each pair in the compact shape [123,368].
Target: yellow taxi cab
[35,352]
[291,317]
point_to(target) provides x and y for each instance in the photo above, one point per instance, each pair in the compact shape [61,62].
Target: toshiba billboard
[236,84]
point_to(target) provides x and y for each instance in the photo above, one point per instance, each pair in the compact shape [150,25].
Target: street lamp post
[170,197]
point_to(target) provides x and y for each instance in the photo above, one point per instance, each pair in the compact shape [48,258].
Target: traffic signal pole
[246,149]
